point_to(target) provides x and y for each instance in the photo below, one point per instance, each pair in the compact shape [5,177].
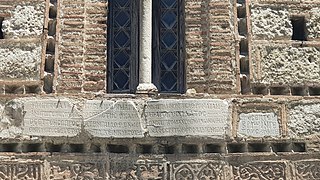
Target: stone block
[303,119]
[11,119]
[188,117]
[131,167]
[20,61]
[119,119]
[282,65]
[21,169]
[307,169]
[260,170]
[51,117]
[27,20]
[258,124]
[197,170]
[269,23]
[80,167]
[313,24]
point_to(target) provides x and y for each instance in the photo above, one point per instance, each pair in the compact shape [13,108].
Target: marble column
[145,61]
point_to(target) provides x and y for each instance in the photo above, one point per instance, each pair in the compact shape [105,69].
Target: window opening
[1,32]
[168,65]
[299,28]
[122,43]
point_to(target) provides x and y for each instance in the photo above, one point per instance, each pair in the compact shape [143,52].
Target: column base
[146,88]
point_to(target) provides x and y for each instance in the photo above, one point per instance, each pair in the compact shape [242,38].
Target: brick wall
[210,50]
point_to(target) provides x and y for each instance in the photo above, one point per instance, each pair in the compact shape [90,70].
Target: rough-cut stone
[20,62]
[188,117]
[286,65]
[313,25]
[26,21]
[259,124]
[304,119]
[11,119]
[51,117]
[112,119]
[268,23]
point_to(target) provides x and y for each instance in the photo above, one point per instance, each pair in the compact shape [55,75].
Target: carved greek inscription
[196,170]
[260,170]
[259,124]
[51,117]
[18,171]
[307,170]
[119,119]
[187,117]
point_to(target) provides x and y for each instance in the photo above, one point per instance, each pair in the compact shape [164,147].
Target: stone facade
[250,108]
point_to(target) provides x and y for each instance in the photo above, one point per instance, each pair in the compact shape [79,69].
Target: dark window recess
[189,148]
[168,42]
[123,46]
[299,28]
[118,148]
[1,33]
[236,148]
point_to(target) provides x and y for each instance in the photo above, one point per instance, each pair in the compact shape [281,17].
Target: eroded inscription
[51,117]
[76,171]
[18,171]
[259,124]
[187,117]
[260,170]
[114,119]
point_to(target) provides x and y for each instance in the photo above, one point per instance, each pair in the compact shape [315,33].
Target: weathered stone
[196,170]
[259,124]
[286,65]
[130,167]
[188,117]
[20,62]
[21,169]
[26,21]
[313,25]
[260,170]
[304,119]
[112,119]
[268,23]
[11,119]
[84,167]
[307,169]
[51,117]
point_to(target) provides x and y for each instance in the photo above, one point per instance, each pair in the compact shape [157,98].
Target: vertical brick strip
[95,46]
[71,46]
[210,46]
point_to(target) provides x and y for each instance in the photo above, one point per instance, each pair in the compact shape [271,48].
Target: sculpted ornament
[308,170]
[18,171]
[260,171]
[196,171]
[87,171]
